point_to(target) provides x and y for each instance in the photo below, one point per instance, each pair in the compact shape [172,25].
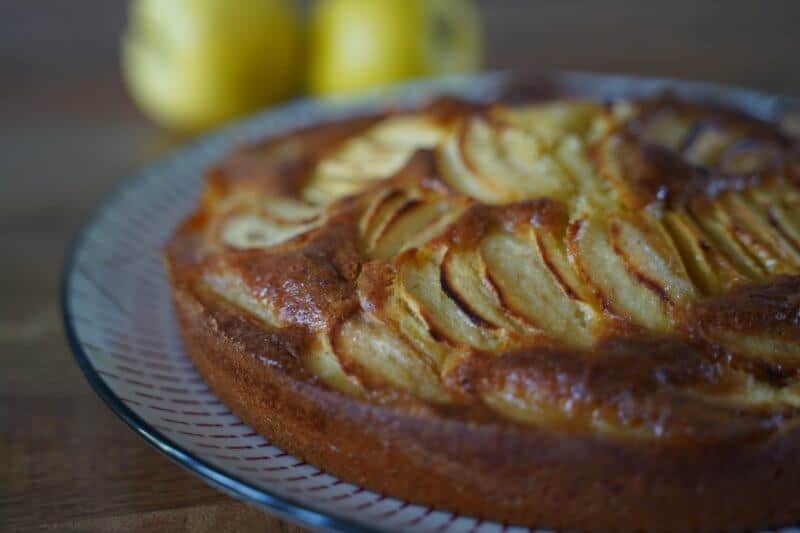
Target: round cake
[551,313]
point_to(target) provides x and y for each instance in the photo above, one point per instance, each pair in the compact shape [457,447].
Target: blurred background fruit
[192,64]
[360,44]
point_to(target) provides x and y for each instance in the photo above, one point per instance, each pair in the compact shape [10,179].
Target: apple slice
[408,131]
[782,211]
[666,129]
[651,258]
[617,284]
[324,192]
[397,220]
[552,121]
[628,387]
[377,154]
[319,357]
[361,161]
[766,347]
[464,278]
[457,173]
[531,288]
[380,295]
[765,241]
[710,270]
[572,155]
[706,144]
[413,224]
[289,210]
[743,391]
[228,285]
[619,162]
[323,362]
[380,212]
[513,160]
[250,231]
[756,324]
[245,222]
[721,235]
[730,220]
[497,163]
[409,324]
[787,220]
[374,203]
[371,351]
[420,282]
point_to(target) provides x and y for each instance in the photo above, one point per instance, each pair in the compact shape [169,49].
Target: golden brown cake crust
[640,428]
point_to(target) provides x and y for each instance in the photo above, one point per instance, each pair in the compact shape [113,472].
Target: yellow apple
[360,44]
[192,64]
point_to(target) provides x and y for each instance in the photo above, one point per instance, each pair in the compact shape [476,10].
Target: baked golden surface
[617,281]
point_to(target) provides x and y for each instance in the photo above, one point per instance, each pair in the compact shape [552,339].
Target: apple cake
[553,313]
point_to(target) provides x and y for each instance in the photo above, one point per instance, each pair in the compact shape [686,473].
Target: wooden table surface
[68,133]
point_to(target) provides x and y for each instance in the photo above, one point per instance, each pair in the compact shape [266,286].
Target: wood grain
[68,133]
[221,518]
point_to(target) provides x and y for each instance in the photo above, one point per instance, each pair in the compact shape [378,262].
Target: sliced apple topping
[744,390]
[711,271]
[622,167]
[514,159]
[776,254]
[413,225]
[289,210]
[380,210]
[533,290]
[465,280]
[498,163]
[420,281]
[729,220]
[618,277]
[411,131]
[377,356]
[549,122]
[230,286]
[647,386]
[321,359]
[533,258]
[767,346]
[666,129]
[377,154]
[782,211]
[701,139]
[785,219]
[757,325]
[705,145]
[458,175]
[249,231]
[408,323]
[572,154]
[650,256]
[722,234]
[397,220]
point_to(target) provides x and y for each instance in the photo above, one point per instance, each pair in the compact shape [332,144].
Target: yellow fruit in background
[359,44]
[192,64]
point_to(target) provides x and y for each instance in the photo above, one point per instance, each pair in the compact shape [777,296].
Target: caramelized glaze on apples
[630,269]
